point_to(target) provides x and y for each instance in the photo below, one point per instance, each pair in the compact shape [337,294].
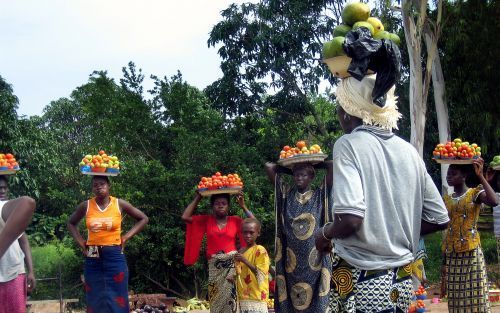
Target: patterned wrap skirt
[466,282]
[361,291]
[106,281]
[221,292]
[13,295]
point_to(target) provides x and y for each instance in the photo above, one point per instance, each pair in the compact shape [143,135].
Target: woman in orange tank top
[106,272]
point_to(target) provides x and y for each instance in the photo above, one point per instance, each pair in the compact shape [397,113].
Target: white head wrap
[355,97]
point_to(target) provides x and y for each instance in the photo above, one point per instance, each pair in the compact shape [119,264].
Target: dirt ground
[430,307]
[443,307]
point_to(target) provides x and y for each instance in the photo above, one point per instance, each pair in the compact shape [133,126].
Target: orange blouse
[104,226]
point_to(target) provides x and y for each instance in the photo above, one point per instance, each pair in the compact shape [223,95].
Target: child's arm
[240,258]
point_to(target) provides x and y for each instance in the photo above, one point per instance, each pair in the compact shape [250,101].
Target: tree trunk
[431,37]
[443,121]
[418,105]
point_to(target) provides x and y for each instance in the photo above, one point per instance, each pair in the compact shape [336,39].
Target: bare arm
[427,228]
[73,221]
[487,197]
[240,258]
[328,166]
[240,198]
[344,225]
[17,215]
[28,261]
[188,212]
[272,169]
[138,215]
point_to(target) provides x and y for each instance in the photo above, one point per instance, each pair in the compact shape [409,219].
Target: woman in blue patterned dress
[302,274]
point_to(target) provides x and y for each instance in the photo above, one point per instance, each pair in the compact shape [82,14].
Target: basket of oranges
[456,152]
[100,164]
[289,156]
[219,183]
[8,164]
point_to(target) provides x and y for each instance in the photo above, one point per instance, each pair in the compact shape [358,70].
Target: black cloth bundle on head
[381,56]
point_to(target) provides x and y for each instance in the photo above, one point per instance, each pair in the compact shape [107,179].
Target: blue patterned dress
[302,274]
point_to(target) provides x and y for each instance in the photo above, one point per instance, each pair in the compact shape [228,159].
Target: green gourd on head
[341,30]
[333,48]
[395,38]
[376,23]
[355,12]
[364,24]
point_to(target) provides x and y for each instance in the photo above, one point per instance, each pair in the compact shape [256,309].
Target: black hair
[220,195]
[101,177]
[467,170]
[252,220]
[306,166]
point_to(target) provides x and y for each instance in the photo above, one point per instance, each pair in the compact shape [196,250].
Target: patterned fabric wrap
[462,234]
[417,267]
[106,281]
[13,295]
[466,282]
[302,274]
[359,291]
[221,292]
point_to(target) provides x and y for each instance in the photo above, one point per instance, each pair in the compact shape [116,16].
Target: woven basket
[338,66]
[302,158]
[8,172]
[454,161]
[99,173]
[208,192]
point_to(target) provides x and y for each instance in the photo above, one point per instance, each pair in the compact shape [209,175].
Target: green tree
[273,45]
[8,118]
[471,88]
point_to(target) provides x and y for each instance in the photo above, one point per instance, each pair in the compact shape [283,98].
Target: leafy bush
[50,260]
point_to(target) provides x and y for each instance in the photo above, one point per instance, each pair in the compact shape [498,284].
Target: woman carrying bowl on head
[464,267]
[106,271]
[302,272]
[221,230]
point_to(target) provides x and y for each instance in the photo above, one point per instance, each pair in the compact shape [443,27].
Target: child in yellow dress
[252,271]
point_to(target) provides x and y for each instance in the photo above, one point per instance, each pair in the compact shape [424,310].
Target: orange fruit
[300,144]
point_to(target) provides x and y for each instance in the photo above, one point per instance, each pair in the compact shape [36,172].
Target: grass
[433,263]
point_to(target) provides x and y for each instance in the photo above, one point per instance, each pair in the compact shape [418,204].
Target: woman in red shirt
[221,230]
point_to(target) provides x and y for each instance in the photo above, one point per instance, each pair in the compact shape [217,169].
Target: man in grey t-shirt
[383,201]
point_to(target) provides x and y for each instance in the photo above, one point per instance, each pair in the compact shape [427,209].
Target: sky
[50,47]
